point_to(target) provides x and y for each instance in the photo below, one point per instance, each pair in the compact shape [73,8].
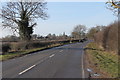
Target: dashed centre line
[33,66]
[52,55]
[61,50]
[27,69]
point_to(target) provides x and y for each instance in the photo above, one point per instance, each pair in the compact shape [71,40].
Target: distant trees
[63,36]
[55,37]
[50,37]
[92,31]
[34,36]
[20,16]
[11,38]
[79,31]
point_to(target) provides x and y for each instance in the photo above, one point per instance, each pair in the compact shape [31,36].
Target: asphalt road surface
[59,62]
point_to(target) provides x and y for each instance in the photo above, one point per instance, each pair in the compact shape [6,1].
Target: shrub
[108,37]
[28,45]
[18,46]
[5,48]
[37,44]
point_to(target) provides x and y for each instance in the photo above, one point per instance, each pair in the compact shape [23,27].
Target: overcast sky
[64,16]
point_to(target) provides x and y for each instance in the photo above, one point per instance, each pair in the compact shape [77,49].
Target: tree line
[106,36]
[14,38]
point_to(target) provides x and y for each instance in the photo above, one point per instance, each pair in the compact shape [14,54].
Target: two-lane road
[59,62]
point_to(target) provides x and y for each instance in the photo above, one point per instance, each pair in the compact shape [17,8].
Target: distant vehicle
[84,39]
[81,40]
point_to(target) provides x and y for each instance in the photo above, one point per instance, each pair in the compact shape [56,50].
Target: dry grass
[103,62]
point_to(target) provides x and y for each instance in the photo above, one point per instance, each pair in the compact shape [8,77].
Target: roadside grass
[29,51]
[103,61]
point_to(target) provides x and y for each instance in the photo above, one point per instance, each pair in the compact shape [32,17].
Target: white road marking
[83,73]
[35,64]
[13,59]
[27,69]
[52,55]
[25,55]
[61,50]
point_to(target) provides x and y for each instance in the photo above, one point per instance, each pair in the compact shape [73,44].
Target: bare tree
[114,5]
[92,31]
[20,16]
[79,31]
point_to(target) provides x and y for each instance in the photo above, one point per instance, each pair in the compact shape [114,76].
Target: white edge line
[27,69]
[83,73]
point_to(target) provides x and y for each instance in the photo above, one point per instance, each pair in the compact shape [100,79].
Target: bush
[21,46]
[113,38]
[108,37]
[5,48]
[17,46]
[28,45]
[99,37]
[37,44]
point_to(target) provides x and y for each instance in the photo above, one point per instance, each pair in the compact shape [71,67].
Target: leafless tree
[20,16]
[79,31]
[114,5]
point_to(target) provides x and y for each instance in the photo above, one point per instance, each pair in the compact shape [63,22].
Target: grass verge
[103,62]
